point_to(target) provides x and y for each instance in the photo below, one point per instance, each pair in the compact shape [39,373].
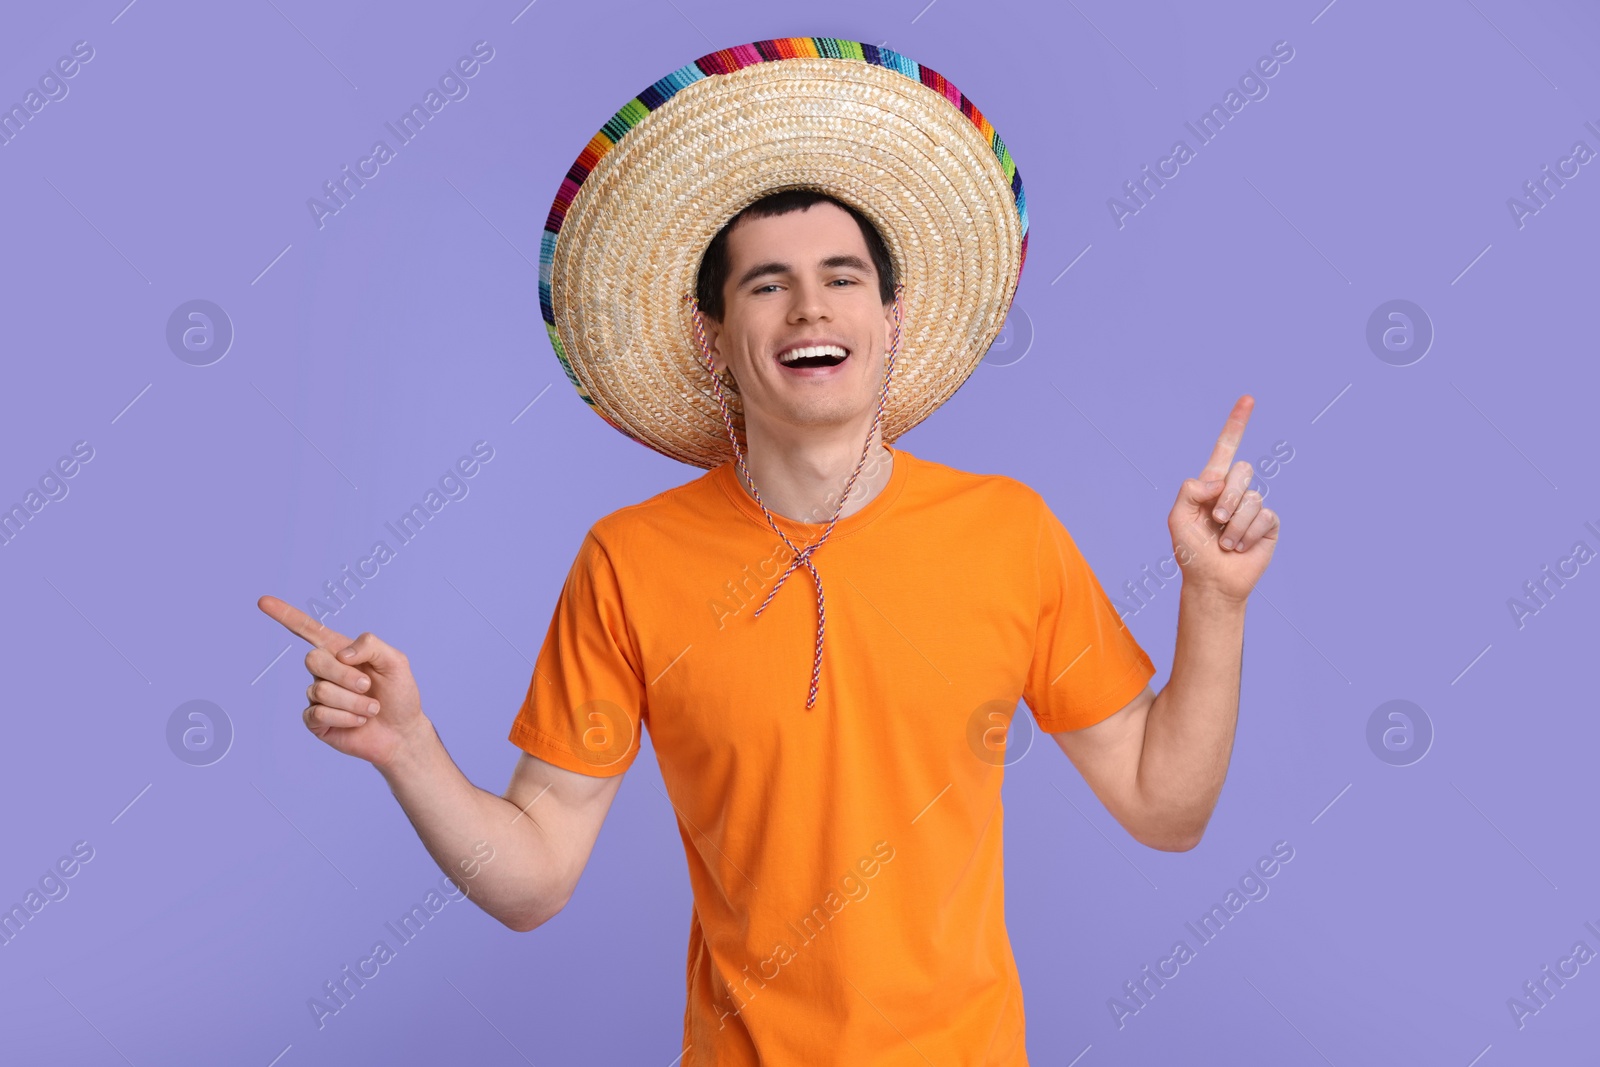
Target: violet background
[374,351]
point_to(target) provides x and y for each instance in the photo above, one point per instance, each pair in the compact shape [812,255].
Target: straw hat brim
[626,246]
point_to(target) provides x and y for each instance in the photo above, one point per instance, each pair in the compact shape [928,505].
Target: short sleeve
[1086,663]
[586,697]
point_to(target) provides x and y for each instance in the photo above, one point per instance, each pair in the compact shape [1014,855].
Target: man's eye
[774,285]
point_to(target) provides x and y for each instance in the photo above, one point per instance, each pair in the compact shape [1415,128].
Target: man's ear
[719,359]
[713,332]
[888,325]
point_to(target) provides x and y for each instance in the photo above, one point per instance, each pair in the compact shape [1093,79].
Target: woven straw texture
[893,139]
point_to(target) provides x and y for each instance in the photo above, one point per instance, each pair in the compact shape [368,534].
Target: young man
[838,800]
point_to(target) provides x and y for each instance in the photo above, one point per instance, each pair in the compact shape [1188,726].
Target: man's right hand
[362,698]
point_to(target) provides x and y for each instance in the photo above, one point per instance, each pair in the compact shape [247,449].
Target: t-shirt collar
[727,476]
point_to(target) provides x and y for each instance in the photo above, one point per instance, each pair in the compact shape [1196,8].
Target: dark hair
[714,265]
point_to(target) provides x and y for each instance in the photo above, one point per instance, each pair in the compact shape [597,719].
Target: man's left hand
[1221,535]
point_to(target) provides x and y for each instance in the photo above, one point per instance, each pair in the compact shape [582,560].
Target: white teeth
[815,350]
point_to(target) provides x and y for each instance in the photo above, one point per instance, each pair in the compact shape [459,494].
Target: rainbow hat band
[895,140]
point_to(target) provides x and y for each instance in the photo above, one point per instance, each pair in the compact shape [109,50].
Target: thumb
[1199,493]
[378,654]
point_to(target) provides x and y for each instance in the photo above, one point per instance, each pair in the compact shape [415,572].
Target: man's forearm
[1188,735]
[522,885]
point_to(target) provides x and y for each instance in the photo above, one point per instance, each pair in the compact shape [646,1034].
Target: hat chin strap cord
[802,556]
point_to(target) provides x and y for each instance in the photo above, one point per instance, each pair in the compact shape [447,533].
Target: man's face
[802,279]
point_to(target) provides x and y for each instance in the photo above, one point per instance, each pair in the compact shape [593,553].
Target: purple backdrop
[1388,243]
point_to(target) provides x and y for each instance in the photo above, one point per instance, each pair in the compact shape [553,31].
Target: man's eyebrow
[774,267]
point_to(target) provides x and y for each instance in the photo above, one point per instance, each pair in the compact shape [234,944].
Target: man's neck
[803,480]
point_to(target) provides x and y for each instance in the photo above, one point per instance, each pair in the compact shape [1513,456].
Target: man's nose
[808,300]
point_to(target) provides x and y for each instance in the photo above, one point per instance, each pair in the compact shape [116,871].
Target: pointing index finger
[301,624]
[1228,441]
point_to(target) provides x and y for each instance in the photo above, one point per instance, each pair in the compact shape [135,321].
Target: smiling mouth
[815,361]
[815,356]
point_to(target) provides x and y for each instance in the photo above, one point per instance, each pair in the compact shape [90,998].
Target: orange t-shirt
[845,860]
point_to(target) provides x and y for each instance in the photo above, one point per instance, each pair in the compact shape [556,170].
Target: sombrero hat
[624,239]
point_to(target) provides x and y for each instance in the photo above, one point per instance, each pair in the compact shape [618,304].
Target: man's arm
[542,830]
[1158,763]
[539,835]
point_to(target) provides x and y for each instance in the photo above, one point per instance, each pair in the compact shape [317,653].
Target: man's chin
[822,418]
